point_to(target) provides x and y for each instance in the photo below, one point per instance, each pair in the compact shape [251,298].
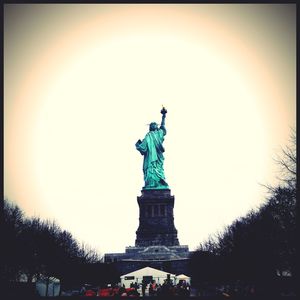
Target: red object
[110,292]
[90,293]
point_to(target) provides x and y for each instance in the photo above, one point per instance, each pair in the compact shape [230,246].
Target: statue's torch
[163,111]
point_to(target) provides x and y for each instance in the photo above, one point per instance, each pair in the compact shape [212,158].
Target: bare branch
[290,154]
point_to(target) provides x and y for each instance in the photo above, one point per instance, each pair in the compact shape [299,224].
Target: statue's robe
[152,149]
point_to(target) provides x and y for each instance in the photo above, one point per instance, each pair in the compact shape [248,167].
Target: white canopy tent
[146,273]
[183,277]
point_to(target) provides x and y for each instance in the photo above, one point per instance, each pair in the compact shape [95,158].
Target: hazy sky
[82,83]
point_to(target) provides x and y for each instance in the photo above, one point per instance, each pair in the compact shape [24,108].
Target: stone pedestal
[156,243]
[156,221]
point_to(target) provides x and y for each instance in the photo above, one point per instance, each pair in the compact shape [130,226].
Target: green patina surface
[152,149]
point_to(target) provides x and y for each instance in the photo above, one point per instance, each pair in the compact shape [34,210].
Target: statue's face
[153,126]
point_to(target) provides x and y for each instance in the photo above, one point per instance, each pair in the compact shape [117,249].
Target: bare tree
[88,254]
[287,164]
[262,244]
[12,226]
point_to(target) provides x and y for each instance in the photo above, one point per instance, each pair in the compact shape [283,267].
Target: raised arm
[163,120]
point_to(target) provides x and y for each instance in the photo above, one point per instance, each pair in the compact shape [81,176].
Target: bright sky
[81,83]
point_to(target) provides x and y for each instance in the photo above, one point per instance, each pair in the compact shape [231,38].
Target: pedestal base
[173,259]
[156,226]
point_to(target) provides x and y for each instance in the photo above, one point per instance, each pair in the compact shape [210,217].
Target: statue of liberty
[152,149]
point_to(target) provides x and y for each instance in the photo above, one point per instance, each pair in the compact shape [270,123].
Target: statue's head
[153,126]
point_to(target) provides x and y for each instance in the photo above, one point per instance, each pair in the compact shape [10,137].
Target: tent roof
[182,276]
[148,271]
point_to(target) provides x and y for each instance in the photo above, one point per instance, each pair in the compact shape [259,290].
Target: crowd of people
[166,289]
